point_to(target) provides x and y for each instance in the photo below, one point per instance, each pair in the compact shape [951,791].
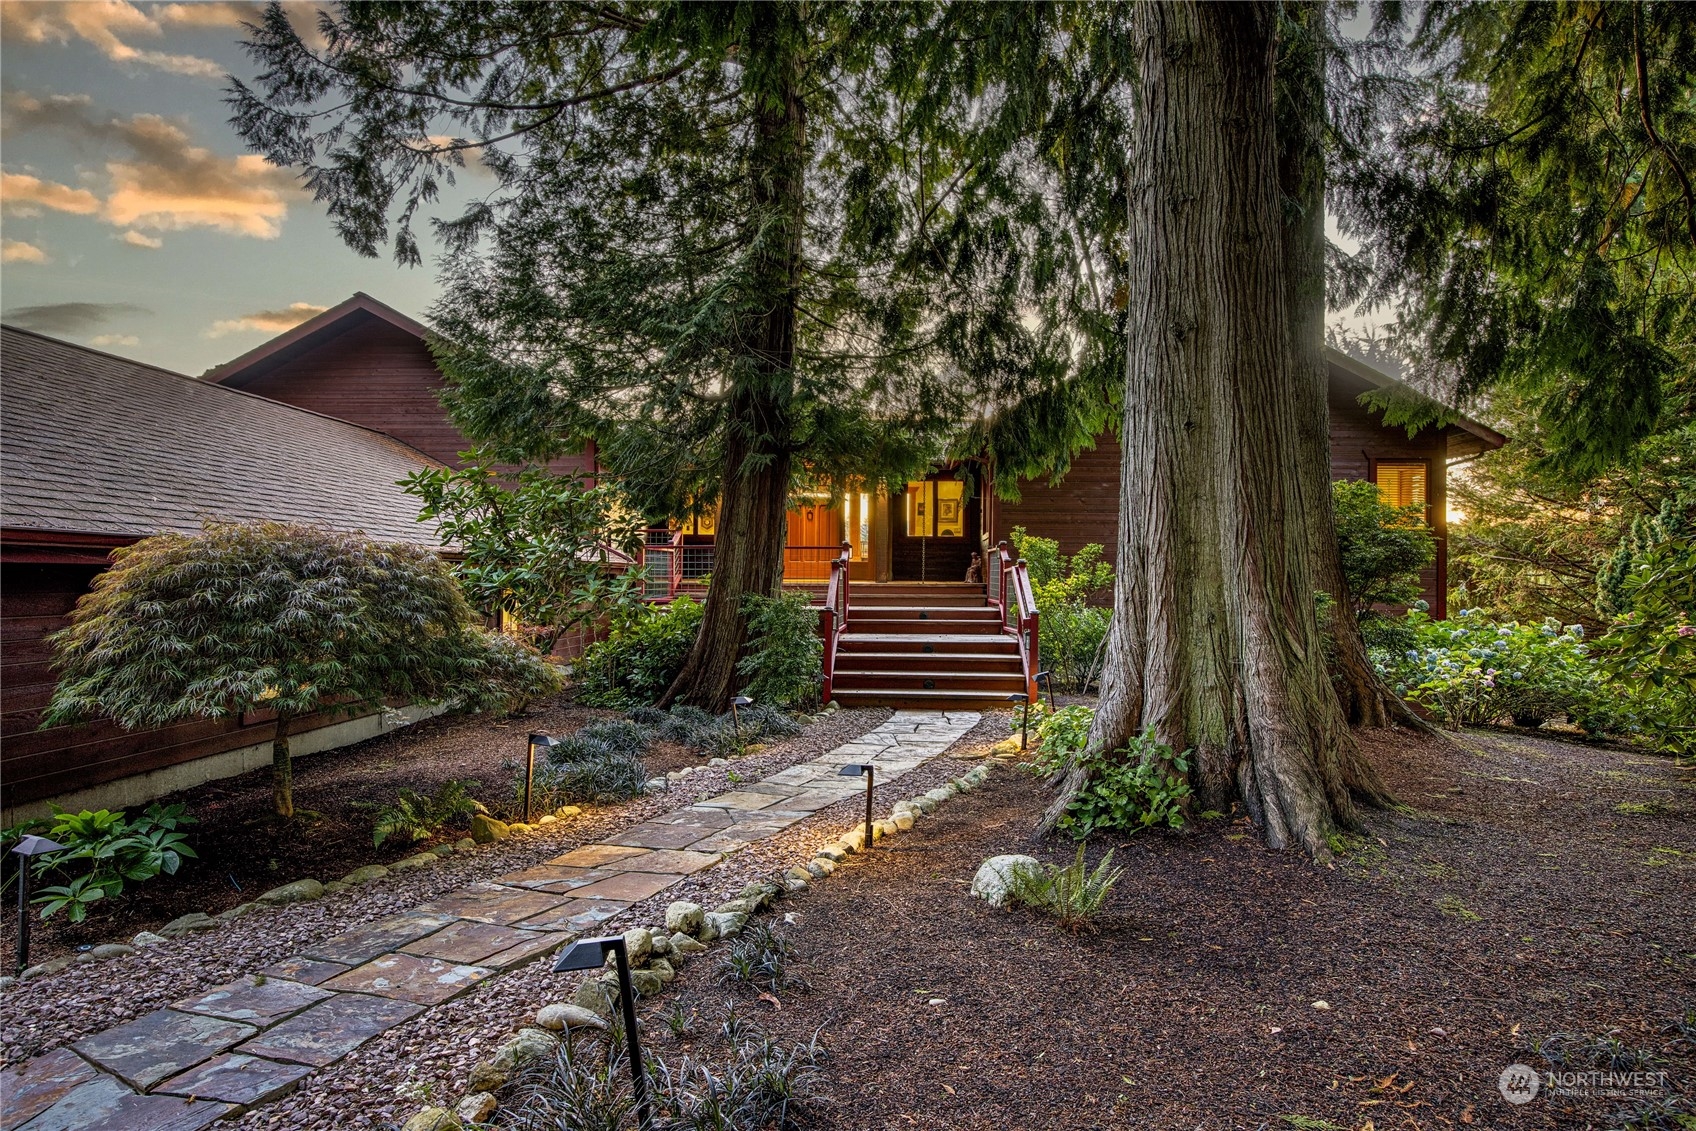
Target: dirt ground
[243,850]
[1532,887]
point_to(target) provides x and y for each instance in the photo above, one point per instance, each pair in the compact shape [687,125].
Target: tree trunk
[754,496]
[282,769]
[1215,642]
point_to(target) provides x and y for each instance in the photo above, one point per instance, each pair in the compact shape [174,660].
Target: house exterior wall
[1084,506]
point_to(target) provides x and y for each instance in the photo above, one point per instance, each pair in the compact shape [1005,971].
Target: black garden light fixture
[591,954]
[1049,677]
[853,770]
[537,741]
[1023,700]
[28,848]
[736,706]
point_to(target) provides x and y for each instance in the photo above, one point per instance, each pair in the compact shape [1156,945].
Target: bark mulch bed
[1533,887]
[242,849]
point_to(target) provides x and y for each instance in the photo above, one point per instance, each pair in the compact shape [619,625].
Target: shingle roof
[96,444]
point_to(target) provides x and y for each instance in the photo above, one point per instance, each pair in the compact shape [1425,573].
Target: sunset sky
[133,219]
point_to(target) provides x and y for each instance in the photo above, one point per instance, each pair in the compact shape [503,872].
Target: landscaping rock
[146,939]
[42,969]
[7,981]
[486,830]
[646,983]
[885,828]
[938,796]
[434,1119]
[485,1077]
[413,863]
[565,811]
[718,761]
[833,853]
[994,877]
[903,821]
[926,804]
[638,945]
[239,911]
[724,924]
[820,868]
[854,840]
[682,946]
[656,785]
[518,827]
[440,850]
[200,921]
[795,885]
[683,918]
[736,907]
[465,844]
[662,969]
[334,886]
[298,892]
[596,997]
[561,1016]
[476,1108]
[760,893]
[111,950]
[528,1045]
[659,941]
[366,874]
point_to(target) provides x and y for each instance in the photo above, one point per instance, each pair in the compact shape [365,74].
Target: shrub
[1142,785]
[1383,547]
[1650,651]
[418,817]
[784,662]
[1072,633]
[635,664]
[106,851]
[1073,895]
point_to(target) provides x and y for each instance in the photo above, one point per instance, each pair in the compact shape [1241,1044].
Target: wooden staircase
[933,646]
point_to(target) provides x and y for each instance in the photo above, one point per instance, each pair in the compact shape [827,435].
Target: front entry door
[935,529]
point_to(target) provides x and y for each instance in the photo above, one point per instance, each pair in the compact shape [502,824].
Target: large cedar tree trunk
[1363,696]
[1215,642]
[754,496]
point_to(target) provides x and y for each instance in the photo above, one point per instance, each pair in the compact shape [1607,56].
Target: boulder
[724,924]
[638,945]
[994,877]
[440,850]
[485,1077]
[795,885]
[938,796]
[42,969]
[298,892]
[902,821]
[656,785]
[366,874]
[854,840]
[820,868]
[596,997]
[664,970]
[434,1119]
[761,894]
[111,950]
[193,921]
[682,946]
[476,1108]
[561,1016]
[659,941]
[926,804]
[547,819]
[833,853]
[736,907]
[526,1046]
[518,827]
[565,811]
[413,863]
[885,828]
[465,844]
[683,918]
[145,939]
[486,829]
[646,983]
[239,911]
[334,886]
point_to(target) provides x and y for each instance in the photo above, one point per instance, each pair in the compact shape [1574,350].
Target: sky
[131,217]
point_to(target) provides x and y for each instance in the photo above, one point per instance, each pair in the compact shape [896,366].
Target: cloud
[69,317]
[110,26]
[162,181]
[136,239]
[17,251]
[114,340]
[24,195]
[267,321]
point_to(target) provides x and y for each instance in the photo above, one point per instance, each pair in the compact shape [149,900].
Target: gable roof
[309,335]
[1466,437]
[93,444]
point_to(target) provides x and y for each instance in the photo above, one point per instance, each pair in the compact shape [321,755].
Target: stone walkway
[250,1042]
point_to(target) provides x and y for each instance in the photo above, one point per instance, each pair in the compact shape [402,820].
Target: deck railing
[1018,613]
[833,617]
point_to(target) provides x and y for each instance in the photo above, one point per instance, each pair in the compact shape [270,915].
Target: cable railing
[833,617]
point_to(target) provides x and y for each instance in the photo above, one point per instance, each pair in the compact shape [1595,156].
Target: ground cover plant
[416,816]
[1071,894]
[104,851]
[1142,785]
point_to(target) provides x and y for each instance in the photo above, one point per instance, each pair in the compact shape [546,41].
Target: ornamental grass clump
[270,616]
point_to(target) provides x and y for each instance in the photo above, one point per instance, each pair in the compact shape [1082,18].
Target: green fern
[418,817]
[1072,895]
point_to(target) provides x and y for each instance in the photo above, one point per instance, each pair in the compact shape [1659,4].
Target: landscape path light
[28,848]
[735,716]
[537,741]
[591,954]
[855,769]
[1023,699]
[1048,676]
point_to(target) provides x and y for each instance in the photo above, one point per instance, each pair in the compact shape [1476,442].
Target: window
[1402,484]
[936,508]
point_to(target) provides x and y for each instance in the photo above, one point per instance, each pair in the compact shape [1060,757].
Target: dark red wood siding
[34,764]
[1084,506]
[380,376]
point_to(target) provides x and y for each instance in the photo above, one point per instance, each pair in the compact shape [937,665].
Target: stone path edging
[249,1042]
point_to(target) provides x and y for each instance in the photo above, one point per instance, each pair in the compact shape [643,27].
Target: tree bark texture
[282,769]
[1361,695]
[1215,642]
[758,455]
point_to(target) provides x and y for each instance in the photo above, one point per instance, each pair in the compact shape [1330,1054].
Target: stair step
[855,641]
[917,601]
[928,661]
[941,679]
[931,700]
[922,612]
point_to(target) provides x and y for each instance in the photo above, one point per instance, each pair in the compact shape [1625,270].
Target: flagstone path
[252,1041]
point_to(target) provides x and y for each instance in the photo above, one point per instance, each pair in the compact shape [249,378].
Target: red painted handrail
[833,617]
[1017,576]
